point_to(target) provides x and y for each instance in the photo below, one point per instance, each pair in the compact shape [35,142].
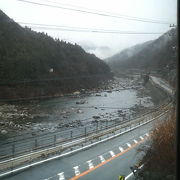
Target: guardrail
[37,157]
[22,146]
[92,139]
[44,146]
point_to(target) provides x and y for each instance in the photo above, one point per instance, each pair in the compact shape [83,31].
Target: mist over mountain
[30,57]
[100,51]
[127,53]
[159,55]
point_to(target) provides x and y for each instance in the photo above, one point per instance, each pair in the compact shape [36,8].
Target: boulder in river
[79,111]
[80,102]
[76,93]
[4,131]
[98,94]
[96,117]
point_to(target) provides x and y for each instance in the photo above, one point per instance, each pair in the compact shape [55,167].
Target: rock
[66,125]
[76,93]
[2,123]
[26,125]
[98,94]
[120,111]
[63,112]
[105,95]
[11,123]
[109,91]
[79,111]
[80,102]
[19,126]
[33,133]
[96,117]
[4,131]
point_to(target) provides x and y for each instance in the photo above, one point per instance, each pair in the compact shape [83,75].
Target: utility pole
[172,25]
[174,49]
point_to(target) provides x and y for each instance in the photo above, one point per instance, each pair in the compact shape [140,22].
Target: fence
[20,146]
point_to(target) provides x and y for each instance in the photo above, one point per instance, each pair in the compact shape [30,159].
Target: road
[164,85]
[106,160]
[72,165]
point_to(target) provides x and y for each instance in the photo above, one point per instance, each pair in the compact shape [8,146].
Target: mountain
[127,53]
[159,55]
[35,61]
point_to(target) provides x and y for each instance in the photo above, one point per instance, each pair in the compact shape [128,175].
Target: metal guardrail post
[85,131]
[35,143]
[97,127]
[71,134]
[106,123]
[54,139]
[13,149]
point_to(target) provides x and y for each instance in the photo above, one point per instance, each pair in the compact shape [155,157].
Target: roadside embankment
[160,159]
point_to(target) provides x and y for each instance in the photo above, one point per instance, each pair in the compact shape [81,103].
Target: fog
[101,44]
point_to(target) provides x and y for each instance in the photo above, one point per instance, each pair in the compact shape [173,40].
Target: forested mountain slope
[158,55]
[30,57]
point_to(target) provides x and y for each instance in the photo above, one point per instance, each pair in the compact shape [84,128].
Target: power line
[96,12]
[79,29]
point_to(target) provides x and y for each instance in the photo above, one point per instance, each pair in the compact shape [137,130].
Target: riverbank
[122,98]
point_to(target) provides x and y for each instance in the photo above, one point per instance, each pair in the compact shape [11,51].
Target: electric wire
[80,29]
[97,12]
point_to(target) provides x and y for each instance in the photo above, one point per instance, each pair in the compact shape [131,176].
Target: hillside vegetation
[160,158]
[158,55]
[28,57]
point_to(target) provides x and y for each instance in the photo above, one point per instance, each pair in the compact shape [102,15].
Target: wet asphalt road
[110,171]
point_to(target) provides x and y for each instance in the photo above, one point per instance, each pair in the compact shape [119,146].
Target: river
[122,99]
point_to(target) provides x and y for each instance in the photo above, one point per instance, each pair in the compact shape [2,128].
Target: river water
[122,99]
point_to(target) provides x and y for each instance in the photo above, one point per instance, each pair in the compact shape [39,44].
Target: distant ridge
[158,55]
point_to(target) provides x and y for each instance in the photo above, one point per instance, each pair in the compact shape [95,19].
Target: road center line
[128,144]
[112,153]
[90,164]
[76,170]
[61,176]
[121,149]
[106,161]
[102,158]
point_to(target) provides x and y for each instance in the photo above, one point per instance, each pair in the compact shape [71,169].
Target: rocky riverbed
[123,98]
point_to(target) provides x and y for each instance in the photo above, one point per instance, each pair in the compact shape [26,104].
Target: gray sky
[101,44]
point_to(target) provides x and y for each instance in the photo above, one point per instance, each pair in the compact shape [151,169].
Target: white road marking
[135,141]
[76,170]
[121,149]
[112,153]
[70,152]
[141,137]
[129,175]
[90,164]
[102,158]
[61,176]
[128,144]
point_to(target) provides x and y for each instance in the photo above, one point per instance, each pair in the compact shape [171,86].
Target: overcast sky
[102,44]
